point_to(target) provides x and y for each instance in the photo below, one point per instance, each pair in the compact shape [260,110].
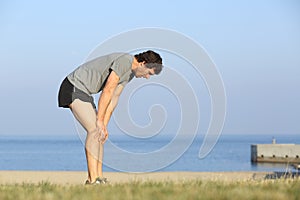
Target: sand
[79,177]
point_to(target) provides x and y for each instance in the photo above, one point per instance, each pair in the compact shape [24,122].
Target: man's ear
[142,63]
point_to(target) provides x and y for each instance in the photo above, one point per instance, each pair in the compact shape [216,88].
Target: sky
[254,44]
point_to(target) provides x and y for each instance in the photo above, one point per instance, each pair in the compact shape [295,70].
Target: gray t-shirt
[91,76]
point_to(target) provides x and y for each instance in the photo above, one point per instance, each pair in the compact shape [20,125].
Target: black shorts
[68,93]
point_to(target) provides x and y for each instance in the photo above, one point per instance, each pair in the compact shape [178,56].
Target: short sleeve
[122,67]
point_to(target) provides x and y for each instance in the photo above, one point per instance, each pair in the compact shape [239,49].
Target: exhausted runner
[106,74]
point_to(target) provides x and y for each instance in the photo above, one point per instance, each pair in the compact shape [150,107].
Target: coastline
[79,177]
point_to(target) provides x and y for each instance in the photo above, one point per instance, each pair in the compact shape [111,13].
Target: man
[108,74]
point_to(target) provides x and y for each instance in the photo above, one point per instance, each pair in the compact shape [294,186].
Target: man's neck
[134,64]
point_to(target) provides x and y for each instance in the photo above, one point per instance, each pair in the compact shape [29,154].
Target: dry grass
[263,189]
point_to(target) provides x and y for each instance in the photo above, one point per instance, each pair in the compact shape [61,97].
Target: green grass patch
[268,189]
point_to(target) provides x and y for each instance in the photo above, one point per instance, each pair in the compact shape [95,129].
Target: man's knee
[92,130]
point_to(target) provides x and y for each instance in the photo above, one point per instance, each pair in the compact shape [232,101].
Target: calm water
[231,153]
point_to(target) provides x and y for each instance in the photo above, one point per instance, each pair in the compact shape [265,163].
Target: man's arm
[105,99]
[113,103]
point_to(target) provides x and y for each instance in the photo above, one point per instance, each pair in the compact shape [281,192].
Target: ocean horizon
[66,153]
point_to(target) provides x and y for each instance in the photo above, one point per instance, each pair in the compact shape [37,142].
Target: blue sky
[255,45]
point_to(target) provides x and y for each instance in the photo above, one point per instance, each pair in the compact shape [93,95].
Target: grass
[267,189]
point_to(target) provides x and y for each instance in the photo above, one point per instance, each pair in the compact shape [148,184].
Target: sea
[66,153]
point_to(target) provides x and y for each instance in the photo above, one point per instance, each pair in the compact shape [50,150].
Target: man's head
[148,63]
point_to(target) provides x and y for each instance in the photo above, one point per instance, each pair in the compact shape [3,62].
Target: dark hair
[152,60]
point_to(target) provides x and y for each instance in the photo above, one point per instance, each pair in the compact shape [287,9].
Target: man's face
[143,72]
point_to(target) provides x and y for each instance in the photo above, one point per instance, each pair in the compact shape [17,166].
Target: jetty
[276,153]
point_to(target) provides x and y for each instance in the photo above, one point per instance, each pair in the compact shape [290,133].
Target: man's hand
[104,136]
[102,133]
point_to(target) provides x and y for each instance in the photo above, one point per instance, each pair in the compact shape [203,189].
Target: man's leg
[86,115]
[100,159]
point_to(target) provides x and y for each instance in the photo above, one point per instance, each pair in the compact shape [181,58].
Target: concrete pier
[275,153]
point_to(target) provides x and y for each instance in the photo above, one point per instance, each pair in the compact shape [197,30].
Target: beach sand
[79,177]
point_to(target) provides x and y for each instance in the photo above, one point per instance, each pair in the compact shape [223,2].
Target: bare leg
[86,115]
[100,159]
